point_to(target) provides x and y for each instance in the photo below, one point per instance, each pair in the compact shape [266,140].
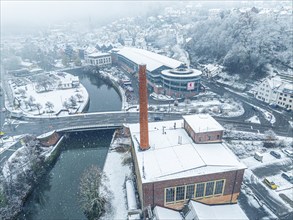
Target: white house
[99,59]
[276,90]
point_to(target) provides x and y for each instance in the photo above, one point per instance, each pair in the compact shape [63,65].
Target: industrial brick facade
[154,193]
[203,137]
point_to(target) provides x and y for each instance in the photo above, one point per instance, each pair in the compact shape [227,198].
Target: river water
[56,197]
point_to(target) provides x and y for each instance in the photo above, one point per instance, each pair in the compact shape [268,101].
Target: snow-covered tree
[79,97]
[49,106]
[39,107]
[94,194]
[72,101]
[31,102]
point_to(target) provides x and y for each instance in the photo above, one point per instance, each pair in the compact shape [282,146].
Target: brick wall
[153,193]
[203,137]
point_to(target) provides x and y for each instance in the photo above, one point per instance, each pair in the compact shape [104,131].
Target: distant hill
[244,42]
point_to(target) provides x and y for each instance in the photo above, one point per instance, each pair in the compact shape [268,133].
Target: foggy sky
[23,14]
[36,13]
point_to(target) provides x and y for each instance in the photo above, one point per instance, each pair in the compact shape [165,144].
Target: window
[199,190]
[170,193]
[219,187]
[209,137]
[218,137]
[209,188]
[284,99]
[189,191]
[180,193]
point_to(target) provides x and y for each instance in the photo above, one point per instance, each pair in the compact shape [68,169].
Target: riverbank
[22,172]
[120,155]
[60,186]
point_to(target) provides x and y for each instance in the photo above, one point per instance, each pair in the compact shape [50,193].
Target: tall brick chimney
[143,108]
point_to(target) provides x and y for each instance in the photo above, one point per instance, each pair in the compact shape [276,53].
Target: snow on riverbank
[117,173]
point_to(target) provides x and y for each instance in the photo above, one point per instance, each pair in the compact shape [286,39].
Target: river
[56,197]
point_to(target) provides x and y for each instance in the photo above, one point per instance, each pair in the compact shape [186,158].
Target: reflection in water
[103,97]
[57,195]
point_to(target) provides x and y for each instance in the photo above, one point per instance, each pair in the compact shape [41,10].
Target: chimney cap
[142,64]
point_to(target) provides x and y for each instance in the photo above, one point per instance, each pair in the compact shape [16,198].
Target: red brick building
[185,163]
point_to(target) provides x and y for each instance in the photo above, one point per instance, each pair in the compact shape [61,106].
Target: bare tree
[79,97]
[94,194]
[49,106]
[22,92]
[30,102]
[66,105]
[39,107]
[72,101]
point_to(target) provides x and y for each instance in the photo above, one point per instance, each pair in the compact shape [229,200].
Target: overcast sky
[49,12]
[25,14]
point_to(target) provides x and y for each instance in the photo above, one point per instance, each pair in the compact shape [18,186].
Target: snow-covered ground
[211,105]
[117,175]
[7,141]
[56,96]
[245,146]
[254,119]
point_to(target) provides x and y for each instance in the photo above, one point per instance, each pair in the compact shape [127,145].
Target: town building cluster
[277,91]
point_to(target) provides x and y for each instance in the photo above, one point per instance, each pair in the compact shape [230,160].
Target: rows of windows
[194,191]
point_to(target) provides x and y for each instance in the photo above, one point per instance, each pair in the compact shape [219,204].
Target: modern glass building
[164,75]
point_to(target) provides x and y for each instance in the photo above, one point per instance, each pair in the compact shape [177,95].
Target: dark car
[157,118]
[288,177]
[275,154]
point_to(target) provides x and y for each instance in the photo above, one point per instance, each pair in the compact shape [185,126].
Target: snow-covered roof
[203,123]
[96,55]
[188,159]
[210,212]
[152,60]
[177,73]
[164,214]
[279,84]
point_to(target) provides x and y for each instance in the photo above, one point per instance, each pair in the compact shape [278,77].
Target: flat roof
[152,60]
[203,123]
[174,155]
[96,55]
[189,73]
[210,212]
[166,214]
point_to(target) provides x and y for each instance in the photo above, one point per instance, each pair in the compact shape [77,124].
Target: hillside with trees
[243,42]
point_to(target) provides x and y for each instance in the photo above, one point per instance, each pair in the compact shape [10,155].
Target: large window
[190,191]
[194,191]
[219,187]
[199,190]
[170,193]
[180,193]
[209,188]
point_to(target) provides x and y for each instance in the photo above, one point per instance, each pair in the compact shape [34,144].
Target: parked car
[275,154]
[158,118]
[270,184]
[288,177]
[289,153]
[258,156]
